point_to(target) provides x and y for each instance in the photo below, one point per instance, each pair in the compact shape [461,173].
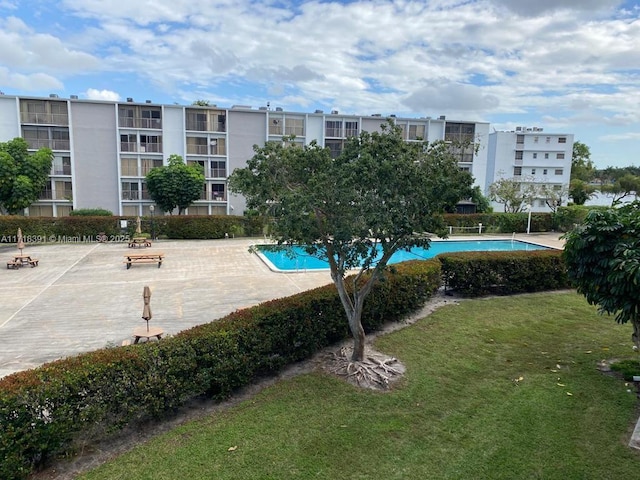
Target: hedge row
[482,273]
[45,411]
[89,227]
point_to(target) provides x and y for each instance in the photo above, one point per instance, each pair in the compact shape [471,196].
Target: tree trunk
[355,325]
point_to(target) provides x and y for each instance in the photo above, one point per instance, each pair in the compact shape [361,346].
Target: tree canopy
[381,195]
[582,167]
[23,175]
[513,193]
[175,185]
[603,260]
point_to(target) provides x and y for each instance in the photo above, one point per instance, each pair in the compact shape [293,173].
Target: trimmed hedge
[87,228]
[46,410]
[481,273]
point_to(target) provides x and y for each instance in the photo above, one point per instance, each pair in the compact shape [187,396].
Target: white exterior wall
[9,118]
[539,164]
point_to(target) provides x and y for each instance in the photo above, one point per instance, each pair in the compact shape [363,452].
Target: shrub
[481,273]
[91,212]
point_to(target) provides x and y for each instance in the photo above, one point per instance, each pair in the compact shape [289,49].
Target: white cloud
[621,137]
[95,94]
[28,82]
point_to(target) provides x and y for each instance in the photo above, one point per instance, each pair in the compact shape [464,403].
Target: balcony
[197,149]
[130,195]
[333,132]
[61,170]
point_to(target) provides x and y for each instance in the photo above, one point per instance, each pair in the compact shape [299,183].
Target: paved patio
[81,297]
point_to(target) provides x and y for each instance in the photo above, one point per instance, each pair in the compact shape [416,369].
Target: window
[517,171]
[130,190]
[334,146]
[520,139]
[351,129]
[558,171]
[129,142]
[53,138]
[150,118]
[63,190]
[562,139]
[544,172]
[535,139]
[557,188]
[546,156]
[197,146]
[126,117]
[129,167]
[333,128]
[548,139]
[416,132]
[47,191]
[276,125]
[196,120]
[294,126]
[218,169]
[533,171]
[60,137]
[217,191]
[148,164]
[560,156]
[519,155]
[44,112]
[535,155]
[218,146]
[200,163]
[151,143]
[459,132]
[61,165]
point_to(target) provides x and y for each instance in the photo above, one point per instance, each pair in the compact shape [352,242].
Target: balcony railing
[65,170]
[45,118]
[128,147]
[334,132]
[197,149]
[130,195]
[36,144]
[139,122]
[151,147]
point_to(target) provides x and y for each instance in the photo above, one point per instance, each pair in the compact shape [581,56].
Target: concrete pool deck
[82,297]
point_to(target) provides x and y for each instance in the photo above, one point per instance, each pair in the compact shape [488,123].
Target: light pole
[529,219]
[153,229]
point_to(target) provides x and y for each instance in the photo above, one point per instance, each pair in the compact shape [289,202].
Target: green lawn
[500,388]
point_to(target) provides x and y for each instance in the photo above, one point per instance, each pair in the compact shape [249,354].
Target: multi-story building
[103,150]
[533,158]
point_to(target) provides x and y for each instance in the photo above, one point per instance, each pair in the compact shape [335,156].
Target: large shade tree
[23,175]
[175,185]
[381,195]
[603,260]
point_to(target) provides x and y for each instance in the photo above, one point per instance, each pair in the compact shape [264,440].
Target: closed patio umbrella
[20,242]
[146,311]
[138,228]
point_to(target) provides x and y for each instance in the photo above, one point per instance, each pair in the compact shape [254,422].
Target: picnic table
[143,332]
[147,257]
[22,261]
[138,242]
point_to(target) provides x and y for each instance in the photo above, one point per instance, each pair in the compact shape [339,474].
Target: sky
[568,66]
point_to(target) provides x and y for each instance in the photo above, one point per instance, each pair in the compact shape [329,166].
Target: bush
[482,273]
[45,410]
[91,212]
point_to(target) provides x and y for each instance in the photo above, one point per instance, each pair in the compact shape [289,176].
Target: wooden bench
[33,262]
[149,257]
[139,242]
[12,264]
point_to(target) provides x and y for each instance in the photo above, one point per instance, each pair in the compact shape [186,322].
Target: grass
[499,388]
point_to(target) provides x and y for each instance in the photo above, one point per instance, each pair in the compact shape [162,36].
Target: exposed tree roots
[376,371]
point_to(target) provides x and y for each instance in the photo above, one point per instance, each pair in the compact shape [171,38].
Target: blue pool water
[295,258]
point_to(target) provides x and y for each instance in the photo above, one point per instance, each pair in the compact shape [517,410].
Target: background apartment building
[532,157]
[103,150]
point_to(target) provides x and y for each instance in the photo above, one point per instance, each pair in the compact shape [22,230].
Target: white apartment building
[531,156]
[103,150]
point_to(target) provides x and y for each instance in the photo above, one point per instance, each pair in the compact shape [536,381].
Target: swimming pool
[295,259]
